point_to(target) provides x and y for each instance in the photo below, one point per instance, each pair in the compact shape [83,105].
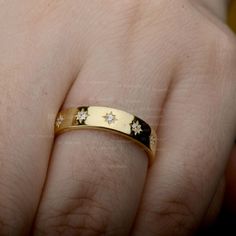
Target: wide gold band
[109,119]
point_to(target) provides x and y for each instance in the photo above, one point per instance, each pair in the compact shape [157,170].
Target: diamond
[82,115]
[59,120]
[136,127]
[152,140]
[110,118]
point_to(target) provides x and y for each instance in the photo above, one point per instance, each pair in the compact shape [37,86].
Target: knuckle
[82,214]
[175,217]
[225,45]
[87,217]
[222,39]
[222,59]
[213,56]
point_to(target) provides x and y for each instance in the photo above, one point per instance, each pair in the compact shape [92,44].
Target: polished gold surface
[108,119]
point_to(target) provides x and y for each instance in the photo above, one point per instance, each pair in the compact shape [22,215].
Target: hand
[171,63]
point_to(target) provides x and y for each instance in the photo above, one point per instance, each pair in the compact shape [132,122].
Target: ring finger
[96,179]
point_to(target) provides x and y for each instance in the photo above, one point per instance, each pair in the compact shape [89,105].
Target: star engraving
[59,120]
[136,127]
[152,140]
[82,115]
[110,118]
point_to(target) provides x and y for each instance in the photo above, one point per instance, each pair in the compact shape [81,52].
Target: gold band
[109,119]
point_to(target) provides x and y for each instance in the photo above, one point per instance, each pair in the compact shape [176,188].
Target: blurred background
[232,15]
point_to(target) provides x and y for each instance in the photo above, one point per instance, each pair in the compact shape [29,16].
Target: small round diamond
[110,118]
[136,127]
[152,140]
[59,120]
[82,115]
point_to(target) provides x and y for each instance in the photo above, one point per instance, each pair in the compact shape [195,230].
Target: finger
[217,7]
[101,176]
[196,132]
[31,91]
[215,205]
[96,180]
[230,195]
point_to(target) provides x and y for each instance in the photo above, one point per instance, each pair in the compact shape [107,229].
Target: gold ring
[108,119]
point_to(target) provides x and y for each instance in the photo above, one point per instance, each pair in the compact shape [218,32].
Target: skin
[170,62]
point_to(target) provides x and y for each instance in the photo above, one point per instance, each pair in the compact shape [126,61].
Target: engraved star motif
[110,118]
[136,127]
[82,115]
[59,120]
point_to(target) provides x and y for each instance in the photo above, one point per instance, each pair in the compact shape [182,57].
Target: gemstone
[82,115]
[110,118]
[152,140]
[59,120]
[136,127]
